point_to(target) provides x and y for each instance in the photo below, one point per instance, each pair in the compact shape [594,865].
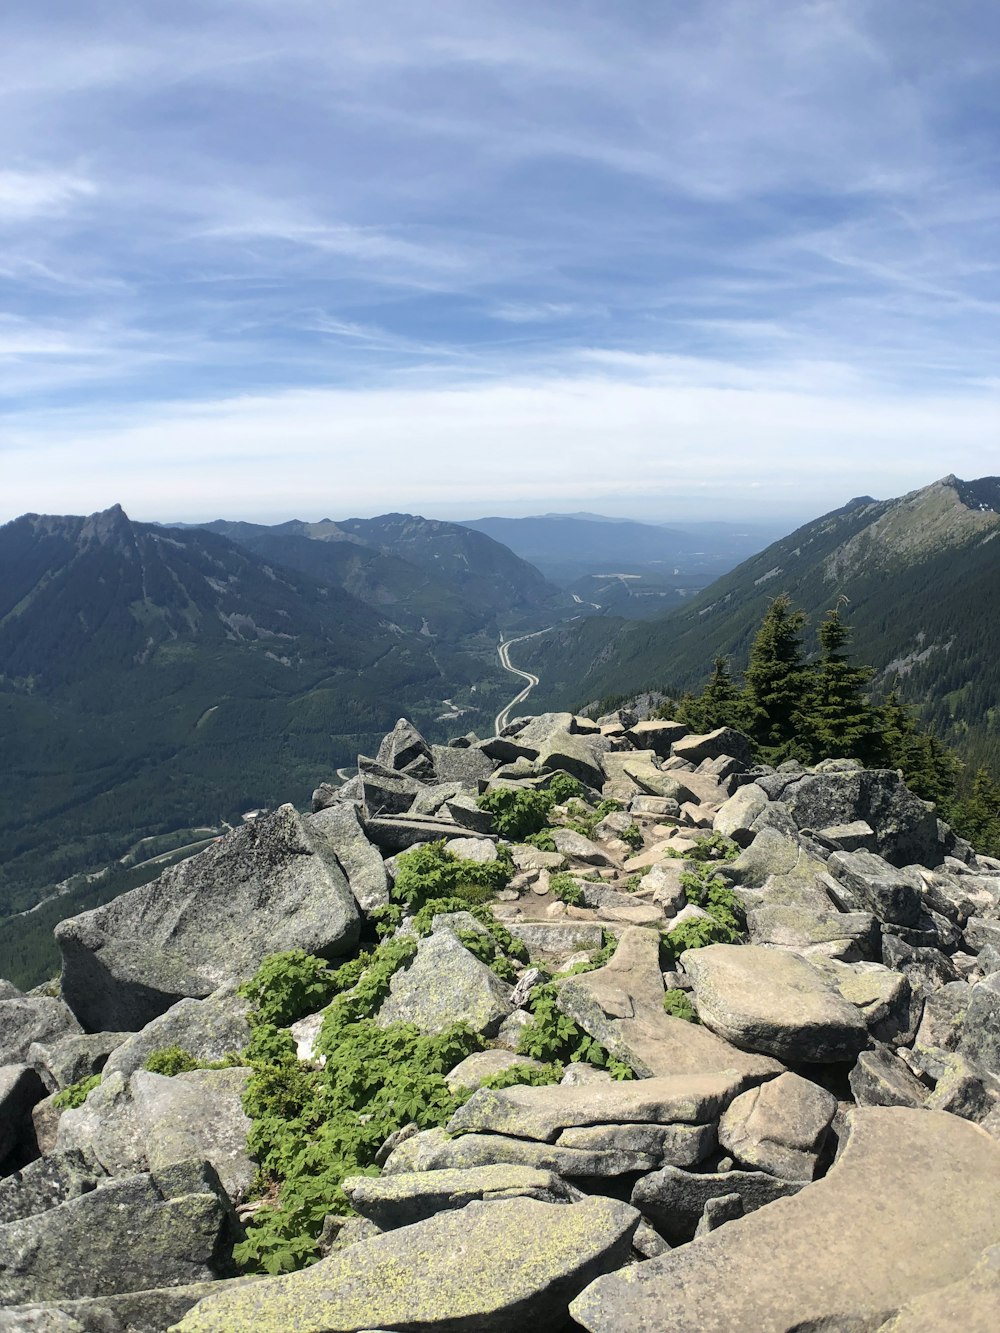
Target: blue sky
[265,258]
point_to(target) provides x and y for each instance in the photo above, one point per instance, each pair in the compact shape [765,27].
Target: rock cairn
[810,1136]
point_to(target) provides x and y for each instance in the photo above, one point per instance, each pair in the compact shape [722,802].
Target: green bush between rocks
[76,1094]
[677,1003]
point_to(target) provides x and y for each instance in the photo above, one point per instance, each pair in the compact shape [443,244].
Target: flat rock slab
[445,984]
[490,1268]
[435,1151]
[269,886]
[542,1113]
[621,1006]
[674,1200]
[360,861]
[557,937]
[400,1200]
[907,1208]
[970,1305]
[774,1002]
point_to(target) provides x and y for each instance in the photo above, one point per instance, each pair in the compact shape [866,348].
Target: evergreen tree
[718,705]
[978,816]
[839,720]
[929,768]
[776,684]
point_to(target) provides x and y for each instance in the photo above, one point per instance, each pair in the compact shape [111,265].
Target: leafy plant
[432,871]
[552,1036]
[716,847]
[543,840]
[287,986]
[170,1060]
[529,1075]
[597,959]
[76,1094]
[517,811]
[566,889]
[632,836]
[563,787]
[678,1004]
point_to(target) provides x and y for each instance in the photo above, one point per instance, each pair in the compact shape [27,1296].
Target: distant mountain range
[152,678]
[922,577]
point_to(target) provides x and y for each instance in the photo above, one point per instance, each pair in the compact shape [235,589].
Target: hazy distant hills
[922,578]
[618,567]
[424,574]
[155,677]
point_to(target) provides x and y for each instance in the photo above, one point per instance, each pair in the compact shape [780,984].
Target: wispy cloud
[459,222]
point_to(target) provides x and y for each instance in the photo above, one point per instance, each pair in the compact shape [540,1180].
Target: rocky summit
[590,1024]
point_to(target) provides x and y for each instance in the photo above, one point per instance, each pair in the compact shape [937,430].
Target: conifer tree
[718,705]
[929,768]
[776,683]
[839,719]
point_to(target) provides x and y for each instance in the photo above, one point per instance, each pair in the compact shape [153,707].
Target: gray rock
[722,741]
[266,887]
[466,765]
[488,1268]
[130,1234]
[47,1182]
[543,1113]
[857,836]
[980,1041]
[400,1200]
[773,1002]
[965,1089]
[475,1069]
[208,1030]
[782,870]
[69,1059]
[362,863]
[464,811]
[846,935]
[880,1078]
[149,1311]
[27,1019]
[891,894]
[45,1116]
[674,1200]
[20,1090]
[570,843]
[434,1150]
[906,1209]
[718,1211]
[779,1127]
[678,1145]
[405,748]
[620,1005]
[445,984]
[944,1016]
[197,1115]
[906,829]
[656,735]
[580,756]
[736,817]
[552,938]
[107,1126]
[970,1304]
[398,833]
[383,790]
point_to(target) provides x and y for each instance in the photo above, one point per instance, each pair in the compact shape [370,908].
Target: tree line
[809,708]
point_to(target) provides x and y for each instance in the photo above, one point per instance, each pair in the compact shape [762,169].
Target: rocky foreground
[782,1111]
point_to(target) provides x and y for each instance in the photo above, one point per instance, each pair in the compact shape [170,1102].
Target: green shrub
[707,890]
[694,934]
[76,1094]
[552,1037]
[562,787]
[170,1060]
[716,847]
[544,841]
[678,1004]
[287,986]
[566,889]
[528,1075]
[598,959]
[424,873]
[517,811]
[632,836]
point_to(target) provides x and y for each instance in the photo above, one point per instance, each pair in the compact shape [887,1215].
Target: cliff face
[653,1037]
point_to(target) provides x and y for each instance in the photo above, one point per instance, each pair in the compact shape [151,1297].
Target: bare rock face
[779,1127]
[445,984]
[487,1268]
[266,887]
[907,1209]
[774,1002]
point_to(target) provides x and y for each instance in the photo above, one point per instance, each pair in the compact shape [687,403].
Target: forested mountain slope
[921,575]
[153,678]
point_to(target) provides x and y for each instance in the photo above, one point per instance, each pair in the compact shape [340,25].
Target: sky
[265,259]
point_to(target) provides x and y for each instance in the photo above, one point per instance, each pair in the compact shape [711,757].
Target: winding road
[503,652]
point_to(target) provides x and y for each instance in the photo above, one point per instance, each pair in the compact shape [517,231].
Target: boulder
[69,1059]
[208,1030]
[434,1150]
[880,1078]
[779,870]
[196,1115]
[845,935]
[779,1127]
[907,1208]
[890,893]
[26,1019]
[620,1005]
[20,1091]
[488,1268]
[773,1002]
[475,1069]
[405,749]
[400,1200]
[398,833]
[47,1182]
[736,817]
[445,984]
[657,735]
[906,828]
[148,1311]
[980,1039]
[557,937]
[570,843]
[542,1113]
[468,764]
[362,863]
[580,756]
[268,886]
[131,1234]
[969,1305]
[106,1126]
[674,1200]
[383,790]
[722,741]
